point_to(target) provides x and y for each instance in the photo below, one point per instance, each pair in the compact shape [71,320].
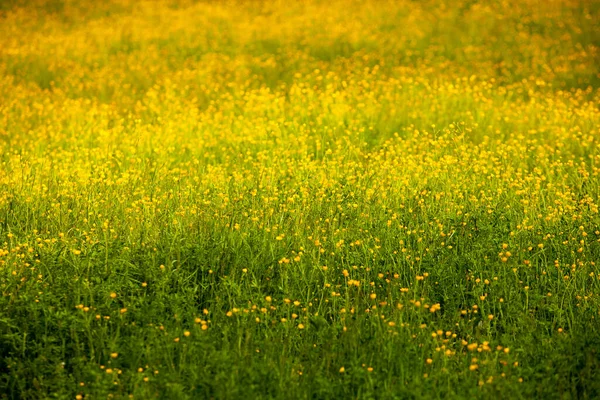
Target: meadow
[299,199]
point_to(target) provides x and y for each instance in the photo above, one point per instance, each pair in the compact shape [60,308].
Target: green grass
[305,200]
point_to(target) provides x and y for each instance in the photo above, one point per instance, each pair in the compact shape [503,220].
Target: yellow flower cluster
[418,150]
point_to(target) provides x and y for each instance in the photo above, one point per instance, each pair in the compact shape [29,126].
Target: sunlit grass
[317,199]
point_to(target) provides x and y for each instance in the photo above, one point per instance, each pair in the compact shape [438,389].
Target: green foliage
[317,199]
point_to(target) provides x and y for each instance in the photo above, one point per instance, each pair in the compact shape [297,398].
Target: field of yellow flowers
[317,199]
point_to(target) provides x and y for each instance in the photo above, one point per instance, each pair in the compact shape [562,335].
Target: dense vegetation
[309,199]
